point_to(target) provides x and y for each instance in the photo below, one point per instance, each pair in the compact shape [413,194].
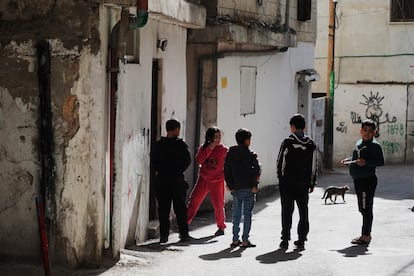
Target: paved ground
[328,251]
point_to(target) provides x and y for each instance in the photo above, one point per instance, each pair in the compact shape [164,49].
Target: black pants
[288,196]
[172,190]
[365,191]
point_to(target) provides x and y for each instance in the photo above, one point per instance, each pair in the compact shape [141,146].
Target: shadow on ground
[354,251]
[267,194]
[223,254]
[279,255]
[394,181]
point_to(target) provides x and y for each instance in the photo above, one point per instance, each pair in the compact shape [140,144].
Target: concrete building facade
[373,74]
[116,73]
[247,68]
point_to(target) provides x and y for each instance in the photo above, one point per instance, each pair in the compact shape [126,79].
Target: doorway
[156,105]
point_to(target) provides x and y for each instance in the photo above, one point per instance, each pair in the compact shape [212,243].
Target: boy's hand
[361,162]
[254,189]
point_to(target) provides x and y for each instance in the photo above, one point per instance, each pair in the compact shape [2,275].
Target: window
[402,11]
[304,10]
[247,90]
[132,46]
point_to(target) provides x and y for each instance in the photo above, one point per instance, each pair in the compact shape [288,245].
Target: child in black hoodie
[241,172]
[169,159]
[296,170]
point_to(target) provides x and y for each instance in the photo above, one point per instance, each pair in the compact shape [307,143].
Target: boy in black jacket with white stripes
[297,171]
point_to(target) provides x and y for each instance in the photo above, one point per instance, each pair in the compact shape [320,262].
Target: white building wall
[374,55]
[276,101]
[133,138]
[385,104]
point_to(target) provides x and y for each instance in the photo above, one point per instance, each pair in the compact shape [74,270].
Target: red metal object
[43,237]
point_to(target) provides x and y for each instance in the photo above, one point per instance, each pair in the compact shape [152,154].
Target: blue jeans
[243,200]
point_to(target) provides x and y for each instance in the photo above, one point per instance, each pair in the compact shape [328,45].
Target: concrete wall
[78,33]
[385,104]
[371,55]
[276,101]
[376,50]
[271,13]
[131,202]
[78,79]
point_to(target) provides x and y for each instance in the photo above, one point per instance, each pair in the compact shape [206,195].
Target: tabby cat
[335,191]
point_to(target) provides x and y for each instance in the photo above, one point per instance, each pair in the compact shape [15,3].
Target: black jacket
[297,162]
[371,151]
[241,168]
[170,157]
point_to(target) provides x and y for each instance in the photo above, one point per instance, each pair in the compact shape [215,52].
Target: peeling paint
[16,183]
[71,115]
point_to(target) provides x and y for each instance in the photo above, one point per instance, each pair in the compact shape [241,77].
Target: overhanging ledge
[179,12]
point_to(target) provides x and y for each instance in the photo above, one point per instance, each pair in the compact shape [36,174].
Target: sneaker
[247,244]
[235,244]
[219,232]
[185,238]
[164,239]
[300,244]
[284,244]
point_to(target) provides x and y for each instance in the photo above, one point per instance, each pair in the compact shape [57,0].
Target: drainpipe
[141,17]
[47,181]
[287,15]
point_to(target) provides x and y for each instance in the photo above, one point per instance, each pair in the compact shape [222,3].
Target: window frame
[400,17]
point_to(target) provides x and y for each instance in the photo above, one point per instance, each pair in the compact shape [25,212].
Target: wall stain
[71,115]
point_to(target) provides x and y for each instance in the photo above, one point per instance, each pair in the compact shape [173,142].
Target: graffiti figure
[374,110]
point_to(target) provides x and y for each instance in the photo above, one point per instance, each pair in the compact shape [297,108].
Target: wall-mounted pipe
[141,17]
[48,168]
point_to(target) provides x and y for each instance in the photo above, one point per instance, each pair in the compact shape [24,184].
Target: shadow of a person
[225,253]
[279,255]
[157,247]
[204,240]
[354,250]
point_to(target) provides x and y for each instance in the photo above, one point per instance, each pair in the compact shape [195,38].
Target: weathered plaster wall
[368,48]
[276,101]
[271,12]
[374,55]
[78,106]
[385,104]
[131,202]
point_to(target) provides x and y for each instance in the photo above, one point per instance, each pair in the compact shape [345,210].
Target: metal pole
[328,139]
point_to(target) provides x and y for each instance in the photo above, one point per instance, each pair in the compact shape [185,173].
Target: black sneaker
[164,239]
[300,244]
[284,244]
[219,232]
[185,238]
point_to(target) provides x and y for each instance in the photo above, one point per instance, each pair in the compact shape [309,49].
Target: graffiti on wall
[373,111]
[390,147]
[342,127]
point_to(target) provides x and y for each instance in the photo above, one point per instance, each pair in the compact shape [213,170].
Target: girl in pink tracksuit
[210,157]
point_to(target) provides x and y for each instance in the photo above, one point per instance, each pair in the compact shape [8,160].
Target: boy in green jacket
[367,155]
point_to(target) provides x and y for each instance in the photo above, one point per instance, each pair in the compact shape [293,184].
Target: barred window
[402,11]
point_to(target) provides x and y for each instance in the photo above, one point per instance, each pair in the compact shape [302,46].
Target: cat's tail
[324,194]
